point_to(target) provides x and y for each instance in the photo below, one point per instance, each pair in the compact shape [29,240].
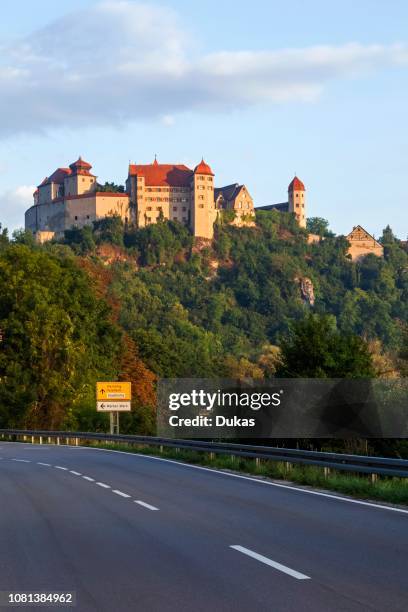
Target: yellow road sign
[113,391]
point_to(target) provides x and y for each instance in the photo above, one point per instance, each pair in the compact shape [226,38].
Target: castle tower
[203,212]
[80,179]
[297,200]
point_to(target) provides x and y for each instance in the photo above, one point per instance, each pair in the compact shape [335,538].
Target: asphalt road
[134,533]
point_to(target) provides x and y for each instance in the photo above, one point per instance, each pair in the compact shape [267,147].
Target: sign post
[113,397]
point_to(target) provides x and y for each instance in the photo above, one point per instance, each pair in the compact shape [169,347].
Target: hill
[111,301]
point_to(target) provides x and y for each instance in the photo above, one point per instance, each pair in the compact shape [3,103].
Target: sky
[262,90]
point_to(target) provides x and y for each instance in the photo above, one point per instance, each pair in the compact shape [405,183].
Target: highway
[133,533]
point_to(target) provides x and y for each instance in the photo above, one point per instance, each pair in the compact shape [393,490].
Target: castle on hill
[71,197]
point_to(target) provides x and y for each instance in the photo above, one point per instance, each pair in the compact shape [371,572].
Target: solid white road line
[148,506]
[89,478]
[59,467]
[46,464]
[22,460]
[103,485]
[75,473]
[120,493]
[241,477]
[274,564]
[250,478]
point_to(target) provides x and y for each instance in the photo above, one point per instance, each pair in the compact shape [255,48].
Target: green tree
[319,226]
[111,187]
[316,349]
[109,229]
[81,240]
[58,338]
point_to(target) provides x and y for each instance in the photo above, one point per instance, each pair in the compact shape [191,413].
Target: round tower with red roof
[297,200]
[203,210]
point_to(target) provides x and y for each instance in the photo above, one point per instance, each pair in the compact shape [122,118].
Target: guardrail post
[288,466]
[374,478]
[212,456]
[32,439]
[326,472]
[41,439]
[76,441]
[161,448]
[49,439]
[257,461]
[58,440]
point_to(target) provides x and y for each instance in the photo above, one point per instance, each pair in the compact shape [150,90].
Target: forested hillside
[110,302]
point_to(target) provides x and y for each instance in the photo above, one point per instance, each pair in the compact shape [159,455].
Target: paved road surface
[133,533]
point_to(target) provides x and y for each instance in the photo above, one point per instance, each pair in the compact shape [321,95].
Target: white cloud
[168,120]
[120,61]
[13,204]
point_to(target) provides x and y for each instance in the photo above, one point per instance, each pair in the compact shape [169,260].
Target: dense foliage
[57,337]
[118,301]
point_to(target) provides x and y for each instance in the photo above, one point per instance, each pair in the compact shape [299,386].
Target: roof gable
[229,192]
[359,233]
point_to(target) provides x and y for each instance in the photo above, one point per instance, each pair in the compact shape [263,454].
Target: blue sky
[260,89]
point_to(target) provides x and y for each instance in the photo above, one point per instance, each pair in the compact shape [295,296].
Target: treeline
[111,301]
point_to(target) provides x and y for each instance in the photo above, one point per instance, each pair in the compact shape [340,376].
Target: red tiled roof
[81,167]
[296,185]
[59,175]
[171,175]
[203,168]
[56,177]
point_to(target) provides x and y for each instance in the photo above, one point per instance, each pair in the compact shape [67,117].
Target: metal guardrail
[337,461]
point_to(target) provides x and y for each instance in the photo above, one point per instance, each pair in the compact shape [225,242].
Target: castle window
[76,218]
[184,208]
[201,206]
[87,216]
[148,219]
[175,208]
[174,218]
[149,208]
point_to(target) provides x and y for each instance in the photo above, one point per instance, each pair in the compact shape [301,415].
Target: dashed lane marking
[103,485]
[278,566]
[120,493]
[145,505]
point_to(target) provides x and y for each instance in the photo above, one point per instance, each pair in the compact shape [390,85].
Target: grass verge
[386,489]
